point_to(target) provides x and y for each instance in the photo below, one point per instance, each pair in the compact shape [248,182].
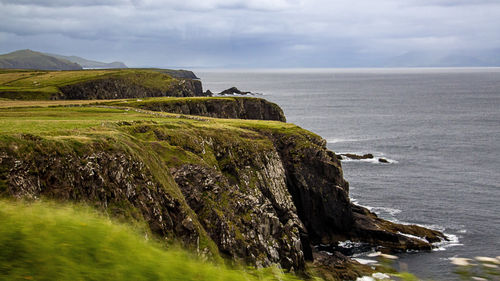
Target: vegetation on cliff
[93,84]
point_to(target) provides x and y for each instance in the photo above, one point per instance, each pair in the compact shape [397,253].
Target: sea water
[439,128]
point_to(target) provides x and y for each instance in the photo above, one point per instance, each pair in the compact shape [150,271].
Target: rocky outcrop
[355,156]
[119,88]
[352,156]
[240,108]
[233,91]
[315,181]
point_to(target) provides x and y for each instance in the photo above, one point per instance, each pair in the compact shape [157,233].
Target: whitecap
[337,140]
[412,236]
[390,211]
[377,156]
[452,242]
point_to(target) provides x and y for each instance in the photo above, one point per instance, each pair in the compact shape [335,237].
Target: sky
[257,33]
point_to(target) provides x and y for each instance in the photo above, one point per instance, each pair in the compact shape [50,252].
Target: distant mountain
[445,59]
[28,59]
[85,63]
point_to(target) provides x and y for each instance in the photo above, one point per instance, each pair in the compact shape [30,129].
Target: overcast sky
[249,33]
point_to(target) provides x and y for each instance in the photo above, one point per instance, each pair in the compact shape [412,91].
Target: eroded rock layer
[118,88]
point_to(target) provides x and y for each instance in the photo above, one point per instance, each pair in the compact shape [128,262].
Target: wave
[391,211]
[453,239]
[378,158]
[374,160]
[337,140]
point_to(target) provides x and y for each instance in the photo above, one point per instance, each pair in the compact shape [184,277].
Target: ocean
[439,129]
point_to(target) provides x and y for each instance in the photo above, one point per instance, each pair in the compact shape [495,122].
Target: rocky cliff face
[256,192]
[233,107]
[118,88]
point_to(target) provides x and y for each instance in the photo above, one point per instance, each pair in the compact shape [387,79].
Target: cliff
[124,87]
[97,84]
[257,192]
[218,107]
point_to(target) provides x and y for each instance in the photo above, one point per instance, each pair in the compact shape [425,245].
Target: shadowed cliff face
[233,107]
[116,88]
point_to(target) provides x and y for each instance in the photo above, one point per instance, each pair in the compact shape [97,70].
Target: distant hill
[445,59]
[28,59]
[85,63]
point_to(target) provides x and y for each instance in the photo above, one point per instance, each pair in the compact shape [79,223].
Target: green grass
[64,120]
[47,241]
[40,84]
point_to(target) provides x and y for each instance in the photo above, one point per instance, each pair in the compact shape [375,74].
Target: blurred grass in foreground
[47,241]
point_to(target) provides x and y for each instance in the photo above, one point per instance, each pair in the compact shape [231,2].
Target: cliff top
[43,85]
[49,118]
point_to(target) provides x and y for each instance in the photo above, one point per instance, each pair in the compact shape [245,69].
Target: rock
[315,181]
[333,266]
[208,93]
[356,156]
[383,160]
[233,91]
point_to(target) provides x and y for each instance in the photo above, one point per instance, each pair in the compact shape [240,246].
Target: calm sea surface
[440,128]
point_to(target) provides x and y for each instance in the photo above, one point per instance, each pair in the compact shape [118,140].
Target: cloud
[64,3]
[252,31]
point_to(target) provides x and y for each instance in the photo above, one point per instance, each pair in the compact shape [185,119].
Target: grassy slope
[27,59]
[45,241]
[40,85]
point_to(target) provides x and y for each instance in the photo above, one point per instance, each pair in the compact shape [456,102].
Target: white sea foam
[375,160]
[337,140]
[390,211]
[349,244]
[412,236]
[453,241]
